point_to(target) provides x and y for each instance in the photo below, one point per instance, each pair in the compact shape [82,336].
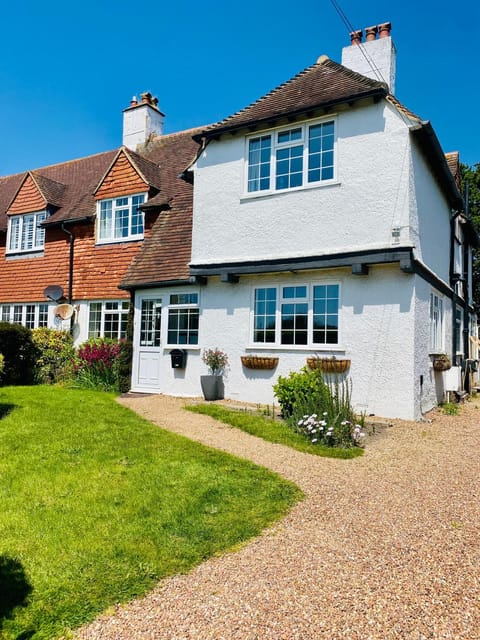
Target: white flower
[314,440]
[300,422]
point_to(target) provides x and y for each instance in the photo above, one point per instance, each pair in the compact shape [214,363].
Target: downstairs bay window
[108,319]
[290,158]
[120,219]
[32,316]
[298,315]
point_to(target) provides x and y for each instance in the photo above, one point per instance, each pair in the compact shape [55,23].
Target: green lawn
[271,430]
[97,504]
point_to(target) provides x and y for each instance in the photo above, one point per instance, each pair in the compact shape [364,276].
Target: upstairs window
[25,233]
[291,158]
[120,219]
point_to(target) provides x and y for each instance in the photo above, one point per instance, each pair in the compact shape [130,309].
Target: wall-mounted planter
[259,362]
[329,365]
[441,363]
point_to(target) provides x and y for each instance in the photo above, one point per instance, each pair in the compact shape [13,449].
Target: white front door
[147,343]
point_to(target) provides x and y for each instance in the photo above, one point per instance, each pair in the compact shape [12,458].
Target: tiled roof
[453,161]
[68,185]
[324,83]
[165,255]
[51,190]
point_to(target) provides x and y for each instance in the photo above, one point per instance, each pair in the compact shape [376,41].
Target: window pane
[150,322]
[17,314]
[105,229]
[325,314]
[30,316]
[264,315]
[183,326]
[259,150]
[320,152]
[43,315]
[95,320]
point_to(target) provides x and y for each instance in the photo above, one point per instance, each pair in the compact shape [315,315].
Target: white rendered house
[326,221]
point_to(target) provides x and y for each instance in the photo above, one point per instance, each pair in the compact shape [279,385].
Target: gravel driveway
[383,546]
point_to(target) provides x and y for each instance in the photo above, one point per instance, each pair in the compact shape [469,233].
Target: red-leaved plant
[96,364]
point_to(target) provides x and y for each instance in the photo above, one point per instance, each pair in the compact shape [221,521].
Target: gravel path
[383,546]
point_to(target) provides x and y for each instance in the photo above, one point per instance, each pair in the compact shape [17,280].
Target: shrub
[96,364]
[124,366]
[19,352]
[320,408]
[55,355]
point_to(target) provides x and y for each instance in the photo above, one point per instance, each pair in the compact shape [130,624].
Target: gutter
[218,130]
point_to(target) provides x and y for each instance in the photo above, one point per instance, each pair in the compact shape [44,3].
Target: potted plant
[212,384]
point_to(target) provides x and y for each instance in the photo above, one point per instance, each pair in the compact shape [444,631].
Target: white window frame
[437,323]
[110,237]
[310,345]
[121,313]
[276,146]
[37,232]
[16,313]
[179,306]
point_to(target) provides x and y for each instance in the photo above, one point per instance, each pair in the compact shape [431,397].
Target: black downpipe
[70,269]
[70,262]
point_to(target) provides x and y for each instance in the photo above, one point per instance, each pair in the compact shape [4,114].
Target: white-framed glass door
[148,322]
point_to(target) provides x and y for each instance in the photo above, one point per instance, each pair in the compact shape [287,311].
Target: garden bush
[319,407]
[19,352]
[96,365]
[55,355]
[124,366]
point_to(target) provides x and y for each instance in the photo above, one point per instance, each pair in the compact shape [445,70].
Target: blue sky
[68,70]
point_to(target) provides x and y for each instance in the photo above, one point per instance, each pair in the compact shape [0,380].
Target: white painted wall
[377,324]
[370,197]
[429,217]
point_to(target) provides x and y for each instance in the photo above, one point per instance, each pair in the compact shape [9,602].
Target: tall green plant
[319,407]
[96,365]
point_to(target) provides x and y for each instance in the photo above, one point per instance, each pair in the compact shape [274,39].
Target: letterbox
[179,358]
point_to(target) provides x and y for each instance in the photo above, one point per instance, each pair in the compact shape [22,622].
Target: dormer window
[25,233]
[291,158]
[120,219]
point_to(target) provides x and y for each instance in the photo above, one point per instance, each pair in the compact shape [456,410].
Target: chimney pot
[371,33]
[133,101]
[384,29]
[356,37]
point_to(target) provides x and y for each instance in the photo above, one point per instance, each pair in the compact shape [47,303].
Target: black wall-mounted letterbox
[179,358]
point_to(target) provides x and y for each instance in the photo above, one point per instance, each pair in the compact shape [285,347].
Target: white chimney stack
[141,120]
[374,58]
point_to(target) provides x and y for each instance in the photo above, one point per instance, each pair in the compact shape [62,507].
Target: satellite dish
[53,292]
[64,311]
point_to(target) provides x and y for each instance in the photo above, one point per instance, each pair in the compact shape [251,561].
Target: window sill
[268,194]
[101,243]
[19,255]
[189,347]
[316,349]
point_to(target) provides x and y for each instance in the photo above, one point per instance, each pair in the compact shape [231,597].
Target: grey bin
[179,358]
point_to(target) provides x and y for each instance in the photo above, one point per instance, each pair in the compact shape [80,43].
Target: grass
[97,504]
[271,430]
